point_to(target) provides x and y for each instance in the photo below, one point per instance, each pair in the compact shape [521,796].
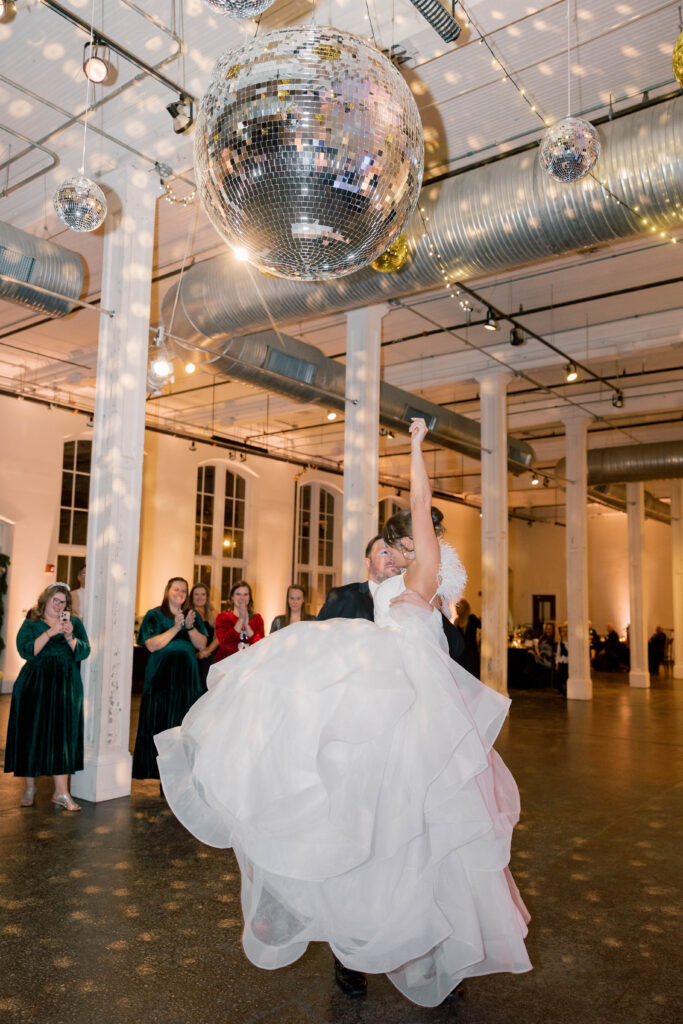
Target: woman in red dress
[240,628]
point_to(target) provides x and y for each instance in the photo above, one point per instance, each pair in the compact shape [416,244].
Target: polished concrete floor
[117,915]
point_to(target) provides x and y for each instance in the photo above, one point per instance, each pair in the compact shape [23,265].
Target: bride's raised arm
[423,570]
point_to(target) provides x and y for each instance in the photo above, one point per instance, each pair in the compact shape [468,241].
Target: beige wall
[537,564]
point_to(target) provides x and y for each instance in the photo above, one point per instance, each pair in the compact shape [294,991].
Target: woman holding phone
[45,730]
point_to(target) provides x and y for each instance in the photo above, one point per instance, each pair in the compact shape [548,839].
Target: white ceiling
[617,309]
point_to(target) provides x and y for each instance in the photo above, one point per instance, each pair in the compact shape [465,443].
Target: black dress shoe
[352,983]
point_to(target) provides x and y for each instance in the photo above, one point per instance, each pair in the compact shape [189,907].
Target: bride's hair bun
[400,525]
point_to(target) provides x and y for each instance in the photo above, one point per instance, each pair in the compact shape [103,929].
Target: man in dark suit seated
[356,601]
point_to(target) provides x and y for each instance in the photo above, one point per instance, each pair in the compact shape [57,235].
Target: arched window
[219,537]
[73,510]
[386,509]
[318,536]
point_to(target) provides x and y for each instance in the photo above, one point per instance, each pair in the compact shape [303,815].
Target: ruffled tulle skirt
[351,769]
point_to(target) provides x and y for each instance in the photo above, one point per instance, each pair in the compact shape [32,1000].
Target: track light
[95,61]
[517,336]
[534,480]
[193,446]
[190,367]
[331,415]
[546,481]
[572,372]
[618,399]
[182,112]
[490,324]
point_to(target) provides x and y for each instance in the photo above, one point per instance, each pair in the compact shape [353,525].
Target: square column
[361,437]
[494,529]
[677,571]
[579,683]
[116,487]
[639,674]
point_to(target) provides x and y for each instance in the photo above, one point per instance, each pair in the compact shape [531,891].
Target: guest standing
[240,628]
[470,626]
[171,633]
[296,608]
[45,731]
[201,603]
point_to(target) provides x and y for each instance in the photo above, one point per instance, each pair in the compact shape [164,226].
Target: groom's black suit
[354,601]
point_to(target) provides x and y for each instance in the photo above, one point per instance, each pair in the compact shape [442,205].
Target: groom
[356,601]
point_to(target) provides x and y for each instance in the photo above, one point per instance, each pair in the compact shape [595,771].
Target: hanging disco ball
[393,258]
[678,60]
[308,152]
[240,8]
[80,203]
[570,149]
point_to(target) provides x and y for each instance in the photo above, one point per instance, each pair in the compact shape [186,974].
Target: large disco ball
[678,59]
[240,8]
[80,203]
[570,149]
[308,152]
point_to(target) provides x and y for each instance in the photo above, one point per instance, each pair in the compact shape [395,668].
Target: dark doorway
[543,610]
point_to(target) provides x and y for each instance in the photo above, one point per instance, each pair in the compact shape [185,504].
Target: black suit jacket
[354,601]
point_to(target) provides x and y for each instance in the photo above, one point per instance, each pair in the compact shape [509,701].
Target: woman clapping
[240,628]
[171,633]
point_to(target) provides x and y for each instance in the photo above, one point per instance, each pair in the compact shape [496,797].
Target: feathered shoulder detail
[452,575]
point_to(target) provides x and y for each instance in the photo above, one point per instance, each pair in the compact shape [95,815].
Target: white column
[677,569]
[635,507]
[116,485]
[494,529]
[361,437]
[579,683]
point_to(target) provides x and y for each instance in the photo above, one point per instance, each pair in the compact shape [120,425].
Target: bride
[349,765]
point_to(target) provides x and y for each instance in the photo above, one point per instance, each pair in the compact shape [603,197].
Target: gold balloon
[393,258]
[678,59]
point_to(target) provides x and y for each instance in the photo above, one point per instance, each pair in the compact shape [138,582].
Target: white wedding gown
[350,766]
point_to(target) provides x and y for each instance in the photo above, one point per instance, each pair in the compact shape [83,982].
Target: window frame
[316,576]
[222,570]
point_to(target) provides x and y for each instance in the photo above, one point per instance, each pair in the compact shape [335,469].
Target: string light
[172,197]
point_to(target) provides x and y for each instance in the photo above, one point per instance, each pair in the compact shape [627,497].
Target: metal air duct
[506,214]
[292,368]
[441,20]
[614,496]
[26,260]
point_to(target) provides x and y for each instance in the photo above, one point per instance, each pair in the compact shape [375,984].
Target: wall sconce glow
[572,373]
[95,62]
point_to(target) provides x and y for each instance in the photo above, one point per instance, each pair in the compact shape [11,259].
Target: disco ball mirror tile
[570,149]
[240,8]
[80,204]
[308,152]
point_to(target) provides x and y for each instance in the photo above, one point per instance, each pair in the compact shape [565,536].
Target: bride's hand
[418,430]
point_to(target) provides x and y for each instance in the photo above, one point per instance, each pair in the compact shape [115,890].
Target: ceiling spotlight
[490,324]
[546,481]
[517,336]
[8,10]
[190,367]
[182,112]
[95,61]
[572,372]
[534,480]
[618,399]
[331,415]
[161,367]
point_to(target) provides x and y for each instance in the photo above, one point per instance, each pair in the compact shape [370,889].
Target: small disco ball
[678,60]
[570,149]
[308,152]
[80,203]
[240,8]
[393,258]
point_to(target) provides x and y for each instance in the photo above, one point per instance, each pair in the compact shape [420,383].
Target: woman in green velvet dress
[172,634]
[45,730]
